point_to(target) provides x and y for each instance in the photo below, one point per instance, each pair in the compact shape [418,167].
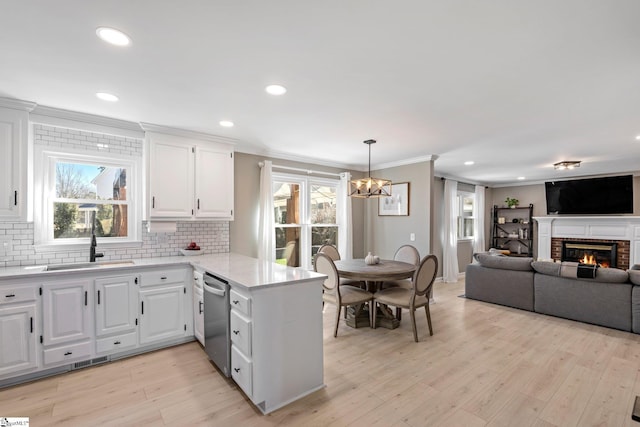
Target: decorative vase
[369,259]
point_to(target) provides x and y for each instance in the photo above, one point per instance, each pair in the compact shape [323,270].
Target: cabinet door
[13,140]
[214,182]
[170,178]
[116,305]
[161,313]
[198,314]
[17,339]
[65,310]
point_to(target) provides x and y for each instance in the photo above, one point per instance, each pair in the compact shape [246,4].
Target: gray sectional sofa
[611,298]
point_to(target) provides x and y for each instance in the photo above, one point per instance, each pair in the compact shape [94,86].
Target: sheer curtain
[478,222]
[450,269]
[345,238]
[265,226]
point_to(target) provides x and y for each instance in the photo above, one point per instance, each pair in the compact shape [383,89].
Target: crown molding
[17,104]
[150,127]
[411,161]
[250,149]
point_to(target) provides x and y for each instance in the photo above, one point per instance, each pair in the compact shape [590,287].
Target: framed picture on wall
[397,204]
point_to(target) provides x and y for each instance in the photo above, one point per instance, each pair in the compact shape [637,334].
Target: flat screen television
[591,196]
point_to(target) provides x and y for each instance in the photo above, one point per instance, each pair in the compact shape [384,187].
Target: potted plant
[511,202]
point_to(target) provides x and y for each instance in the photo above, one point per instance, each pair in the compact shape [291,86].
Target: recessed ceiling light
[276,89]
[469,163]
[638,138]
[113,36]
[520,178]
[107,96]
[226,123]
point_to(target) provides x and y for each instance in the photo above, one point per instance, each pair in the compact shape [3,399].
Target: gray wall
[243,230]
[385,234]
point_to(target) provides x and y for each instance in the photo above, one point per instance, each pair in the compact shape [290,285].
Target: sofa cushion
[546,267]
[611,275]
[504,262]
[634,276]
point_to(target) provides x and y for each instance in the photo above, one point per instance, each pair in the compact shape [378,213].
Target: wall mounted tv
[594,196]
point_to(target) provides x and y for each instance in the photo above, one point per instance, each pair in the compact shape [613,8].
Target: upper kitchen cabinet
[14,120]
[189,178]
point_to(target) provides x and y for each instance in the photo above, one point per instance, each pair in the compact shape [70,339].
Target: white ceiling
[512,85]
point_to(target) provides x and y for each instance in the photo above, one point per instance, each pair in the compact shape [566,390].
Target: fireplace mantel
[589,227]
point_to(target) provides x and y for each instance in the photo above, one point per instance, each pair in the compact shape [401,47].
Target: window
[306,217]
[466,205]
[78,192]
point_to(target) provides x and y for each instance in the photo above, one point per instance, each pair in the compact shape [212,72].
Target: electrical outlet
[412,237]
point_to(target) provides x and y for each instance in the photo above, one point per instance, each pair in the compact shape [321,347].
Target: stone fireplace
[615,238]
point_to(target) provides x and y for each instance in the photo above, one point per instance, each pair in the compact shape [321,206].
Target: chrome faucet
[92,249]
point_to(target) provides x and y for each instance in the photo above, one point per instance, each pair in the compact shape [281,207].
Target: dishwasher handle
[215,291]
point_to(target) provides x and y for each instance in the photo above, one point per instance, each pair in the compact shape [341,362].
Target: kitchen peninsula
[77,317]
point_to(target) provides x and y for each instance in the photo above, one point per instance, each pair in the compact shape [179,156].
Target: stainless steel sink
[84,265]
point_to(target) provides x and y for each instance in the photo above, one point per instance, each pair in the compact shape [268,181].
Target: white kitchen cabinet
[66,321]
[214,182]
[266,324]
[13,163]
[163,301]
[198,314]
[18,338]
[66,313]
[170,178]
[189,178]
[116,305]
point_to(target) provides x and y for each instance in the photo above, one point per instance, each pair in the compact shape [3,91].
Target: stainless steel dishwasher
[217,340]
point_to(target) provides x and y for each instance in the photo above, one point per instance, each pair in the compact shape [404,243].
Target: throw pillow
[504,262]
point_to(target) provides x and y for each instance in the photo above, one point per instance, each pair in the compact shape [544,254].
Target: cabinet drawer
[17,294]
[67,353]
[240,332]
[162,277]
[240,302]
[116,343]
[241,367]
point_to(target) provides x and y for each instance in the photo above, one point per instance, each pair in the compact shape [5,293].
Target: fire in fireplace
[601,253]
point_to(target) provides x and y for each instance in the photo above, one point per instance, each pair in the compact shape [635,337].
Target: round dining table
[373,275]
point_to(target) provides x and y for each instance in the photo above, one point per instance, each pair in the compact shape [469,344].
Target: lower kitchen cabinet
[116,304]
[164,302]
[198,314]
[66,313]
[18,339]
[276,342]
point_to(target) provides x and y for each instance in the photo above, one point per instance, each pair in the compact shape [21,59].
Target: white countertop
[238,269]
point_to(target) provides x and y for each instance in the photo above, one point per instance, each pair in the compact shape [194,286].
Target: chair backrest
[324,265]
[330,250]
[407,253]
[424,277]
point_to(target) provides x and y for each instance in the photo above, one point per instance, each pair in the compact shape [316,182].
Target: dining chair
[340,295]
[408,254]
[415,297]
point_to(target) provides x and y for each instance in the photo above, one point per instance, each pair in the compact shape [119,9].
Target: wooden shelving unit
[512,229]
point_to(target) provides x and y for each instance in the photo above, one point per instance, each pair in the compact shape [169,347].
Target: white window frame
[45,159]
[461,196]
[305,184]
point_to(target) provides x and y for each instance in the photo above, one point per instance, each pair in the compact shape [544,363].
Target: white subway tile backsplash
[213,237]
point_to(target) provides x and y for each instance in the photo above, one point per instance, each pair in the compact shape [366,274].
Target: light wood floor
[486,365]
